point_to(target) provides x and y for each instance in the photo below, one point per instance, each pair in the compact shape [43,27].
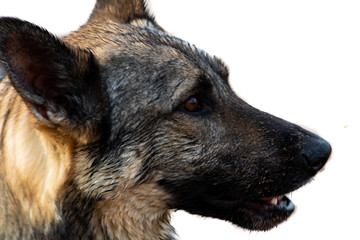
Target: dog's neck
[127,216]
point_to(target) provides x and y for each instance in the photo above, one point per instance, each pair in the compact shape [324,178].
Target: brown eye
[192,105]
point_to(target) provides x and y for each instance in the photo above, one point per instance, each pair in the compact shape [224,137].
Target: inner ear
[36,66]
[57,81]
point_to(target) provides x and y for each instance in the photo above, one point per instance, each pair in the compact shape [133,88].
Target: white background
[299,60]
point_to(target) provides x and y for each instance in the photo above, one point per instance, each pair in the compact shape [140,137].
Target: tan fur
[136,213]
[35,165]
[38,168]
[144,23]
[97,141]
[124,11]
[41,162]
[38,156]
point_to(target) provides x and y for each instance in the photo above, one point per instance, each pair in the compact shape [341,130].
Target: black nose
[316,153]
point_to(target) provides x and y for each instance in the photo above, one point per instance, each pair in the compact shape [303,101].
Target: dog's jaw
[260,214]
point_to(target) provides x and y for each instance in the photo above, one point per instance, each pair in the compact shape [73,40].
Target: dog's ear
[58,83]
[123,11]
[119,10]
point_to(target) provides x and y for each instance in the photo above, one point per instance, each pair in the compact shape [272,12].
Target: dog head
[141,106]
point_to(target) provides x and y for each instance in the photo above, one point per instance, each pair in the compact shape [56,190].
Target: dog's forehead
[150,43]
[145,42]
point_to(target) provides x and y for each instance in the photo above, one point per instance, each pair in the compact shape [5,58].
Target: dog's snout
[316,153]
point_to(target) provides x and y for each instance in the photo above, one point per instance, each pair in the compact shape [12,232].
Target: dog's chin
[251,211]
[261,214]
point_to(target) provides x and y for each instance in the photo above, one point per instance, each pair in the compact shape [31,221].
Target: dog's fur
[104,132]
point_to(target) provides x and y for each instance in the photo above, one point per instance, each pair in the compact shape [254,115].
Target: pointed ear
[59,84]
[120,10]
[123,11]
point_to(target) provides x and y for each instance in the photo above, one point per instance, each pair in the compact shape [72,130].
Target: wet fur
[96,143]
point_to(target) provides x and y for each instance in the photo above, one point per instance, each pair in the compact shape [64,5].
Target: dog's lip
[264,204]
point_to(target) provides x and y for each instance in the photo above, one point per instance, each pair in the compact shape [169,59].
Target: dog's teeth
[275,201]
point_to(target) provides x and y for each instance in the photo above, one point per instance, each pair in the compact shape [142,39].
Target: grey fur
[143,123]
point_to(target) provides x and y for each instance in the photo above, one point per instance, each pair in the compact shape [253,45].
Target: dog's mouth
[264,204]
[256,214]
[252,210]
[279,203]
[271,204]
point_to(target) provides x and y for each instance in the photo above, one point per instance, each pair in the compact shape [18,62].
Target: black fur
[117,90]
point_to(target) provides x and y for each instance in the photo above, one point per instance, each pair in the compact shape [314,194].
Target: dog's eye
[192,105]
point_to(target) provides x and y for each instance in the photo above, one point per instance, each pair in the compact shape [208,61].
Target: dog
[105,132]
[2,73]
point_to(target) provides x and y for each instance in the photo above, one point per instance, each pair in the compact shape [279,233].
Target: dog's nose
[316,153]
